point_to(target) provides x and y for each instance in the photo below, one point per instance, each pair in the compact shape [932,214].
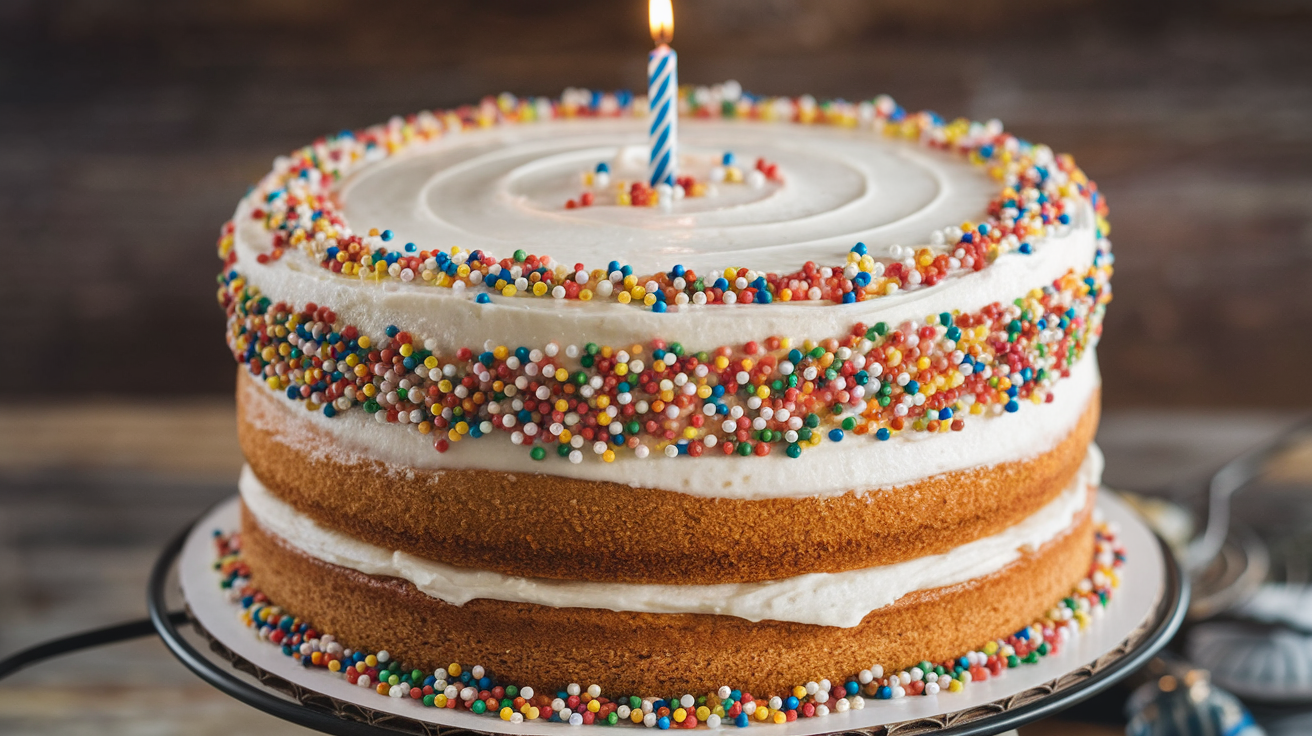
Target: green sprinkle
[537,453]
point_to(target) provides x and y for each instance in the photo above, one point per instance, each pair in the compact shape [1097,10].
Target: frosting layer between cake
[828,599]
[828,469]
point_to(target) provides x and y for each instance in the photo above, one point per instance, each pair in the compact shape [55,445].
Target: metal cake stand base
[1143,615]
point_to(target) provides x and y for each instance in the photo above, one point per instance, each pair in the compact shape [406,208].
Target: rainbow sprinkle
[476,690]
[751,399]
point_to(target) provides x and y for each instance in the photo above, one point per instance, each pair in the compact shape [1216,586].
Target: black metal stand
[293,703]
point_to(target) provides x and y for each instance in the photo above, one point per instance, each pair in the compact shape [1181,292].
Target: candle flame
[660,16]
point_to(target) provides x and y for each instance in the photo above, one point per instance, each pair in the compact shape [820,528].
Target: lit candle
[662,95]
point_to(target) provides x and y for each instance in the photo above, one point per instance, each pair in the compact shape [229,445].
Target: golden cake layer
[547,526]
[660,653]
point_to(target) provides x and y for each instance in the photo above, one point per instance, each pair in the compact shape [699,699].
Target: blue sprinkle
[883,434]
[603,168]
[386,235]
[410,248]
[836,435]
[678,270]
[852,687]
[728,158]
[912,387]
[790,703]
[721,284]
[884,693]
[483,299]
[735,694]
[849,297]
[1026,248]
[612,266]
[741,721]
[1064,218]
[944,413]
[658,306]
[763,297]
[663,723]
[293,393]
[392,330]
[1012,407]
[860,249]
[795,356]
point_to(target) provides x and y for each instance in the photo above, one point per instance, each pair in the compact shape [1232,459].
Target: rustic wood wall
[129,129]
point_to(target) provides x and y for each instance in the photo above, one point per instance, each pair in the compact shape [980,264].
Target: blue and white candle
[662,96]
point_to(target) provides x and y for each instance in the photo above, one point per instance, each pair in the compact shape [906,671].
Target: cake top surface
[846,202]
[504,188]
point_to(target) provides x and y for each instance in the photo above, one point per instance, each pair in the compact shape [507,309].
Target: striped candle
[662,96]
[663,114]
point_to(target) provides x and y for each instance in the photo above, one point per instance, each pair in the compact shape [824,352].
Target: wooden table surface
[87,499]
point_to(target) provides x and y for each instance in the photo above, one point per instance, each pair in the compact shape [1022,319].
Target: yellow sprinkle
[506,713]
[500,352]
[608,456]
[780,717]
[430,362]
[454,670]
[585,295]
[594,705]
[364,341]
[623,297]
[371,661]
[678,715]
[799,692]
[703,713]
[407,350]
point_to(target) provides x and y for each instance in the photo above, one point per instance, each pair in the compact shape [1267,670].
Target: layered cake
[818,412]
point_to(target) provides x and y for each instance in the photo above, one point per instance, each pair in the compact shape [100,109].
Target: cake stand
[1143,615]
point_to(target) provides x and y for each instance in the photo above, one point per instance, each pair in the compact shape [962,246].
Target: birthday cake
[823,403]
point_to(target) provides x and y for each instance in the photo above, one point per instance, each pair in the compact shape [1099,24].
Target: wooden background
[128,130]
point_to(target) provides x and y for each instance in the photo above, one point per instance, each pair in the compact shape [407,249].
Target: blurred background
[129,129]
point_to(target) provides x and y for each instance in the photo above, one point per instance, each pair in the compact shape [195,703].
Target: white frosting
[831,468]
[827,599]
[502,188]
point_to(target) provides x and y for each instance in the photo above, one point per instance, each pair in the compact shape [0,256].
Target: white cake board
[1133,605]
